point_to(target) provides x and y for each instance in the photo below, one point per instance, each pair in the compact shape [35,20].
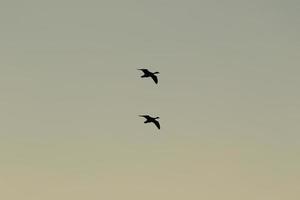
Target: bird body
[148,74]
[150,119]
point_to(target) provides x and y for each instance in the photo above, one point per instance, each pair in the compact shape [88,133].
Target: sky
[228,100]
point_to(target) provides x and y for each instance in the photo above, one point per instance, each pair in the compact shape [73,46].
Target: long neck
[156,73]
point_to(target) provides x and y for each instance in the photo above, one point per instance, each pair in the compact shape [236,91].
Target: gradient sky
[228,100]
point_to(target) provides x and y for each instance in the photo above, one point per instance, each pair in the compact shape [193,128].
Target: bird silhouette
[150,119]
[147,74]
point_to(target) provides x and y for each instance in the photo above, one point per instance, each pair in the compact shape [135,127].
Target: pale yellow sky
[228,100]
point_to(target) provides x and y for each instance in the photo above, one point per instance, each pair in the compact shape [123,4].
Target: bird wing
[144,70]
[146,116]
[157,124]
[155,79]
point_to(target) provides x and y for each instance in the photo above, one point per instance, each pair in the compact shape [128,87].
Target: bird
[150,119]
[147,74]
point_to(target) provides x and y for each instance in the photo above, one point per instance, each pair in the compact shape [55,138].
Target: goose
[147,74]
[150,119]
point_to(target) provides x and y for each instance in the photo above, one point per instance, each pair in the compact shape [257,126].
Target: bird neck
[156,73]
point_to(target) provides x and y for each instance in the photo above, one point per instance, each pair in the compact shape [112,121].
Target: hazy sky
[228,100]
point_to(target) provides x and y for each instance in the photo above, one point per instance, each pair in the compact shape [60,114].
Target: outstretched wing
[157,124]
[146,116]
[144,70]
[155,79]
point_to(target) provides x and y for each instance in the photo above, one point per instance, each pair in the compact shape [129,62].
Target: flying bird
[151,120]
[147,74]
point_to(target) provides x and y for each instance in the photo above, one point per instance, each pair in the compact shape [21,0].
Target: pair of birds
[148,74]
